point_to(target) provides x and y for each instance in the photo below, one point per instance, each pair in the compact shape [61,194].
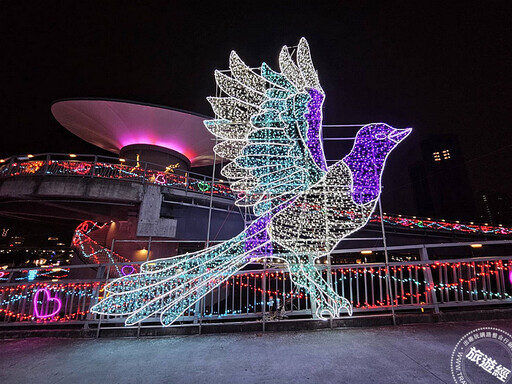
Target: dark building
[440,180]
[495,208]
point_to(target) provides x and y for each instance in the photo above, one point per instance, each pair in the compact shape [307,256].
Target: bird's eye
[380,136]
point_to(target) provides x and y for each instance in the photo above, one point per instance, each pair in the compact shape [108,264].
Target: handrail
[77,156]
[106,167]
[423,262]
[270,269]
[420,246]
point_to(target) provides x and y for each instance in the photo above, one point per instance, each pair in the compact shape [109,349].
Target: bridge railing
[265,291]
[105,167]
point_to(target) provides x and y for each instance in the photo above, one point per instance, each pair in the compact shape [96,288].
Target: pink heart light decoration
[160,178]
[48,299]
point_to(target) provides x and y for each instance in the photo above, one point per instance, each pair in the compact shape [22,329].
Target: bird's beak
[399,134]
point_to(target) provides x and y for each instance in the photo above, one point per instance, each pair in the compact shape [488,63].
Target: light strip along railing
[255,293]
[110,168]
[452,283]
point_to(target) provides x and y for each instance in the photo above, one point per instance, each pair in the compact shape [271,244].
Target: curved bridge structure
[91,181]
[75,179]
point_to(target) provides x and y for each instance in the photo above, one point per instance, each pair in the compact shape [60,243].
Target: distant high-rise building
[440,180]
[495,208]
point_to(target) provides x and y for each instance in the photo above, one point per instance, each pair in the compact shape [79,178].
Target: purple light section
[258,225]
[43,314]
[366,160]
[259,238]
[314,118]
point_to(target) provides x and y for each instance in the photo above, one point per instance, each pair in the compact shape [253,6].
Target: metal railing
[265,291]
[104,167]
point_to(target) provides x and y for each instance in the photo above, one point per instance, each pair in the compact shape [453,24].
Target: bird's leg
[304,274]
[334,300]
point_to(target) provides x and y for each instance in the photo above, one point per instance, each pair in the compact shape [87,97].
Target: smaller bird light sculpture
[269,125]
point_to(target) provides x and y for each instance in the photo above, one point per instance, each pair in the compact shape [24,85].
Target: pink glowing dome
[114,124]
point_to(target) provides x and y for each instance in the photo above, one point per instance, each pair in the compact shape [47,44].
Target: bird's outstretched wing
[269,125]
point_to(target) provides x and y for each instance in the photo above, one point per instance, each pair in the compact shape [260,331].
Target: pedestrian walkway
[417,353]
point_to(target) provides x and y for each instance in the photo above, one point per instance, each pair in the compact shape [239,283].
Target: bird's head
[381,138]
[372,145]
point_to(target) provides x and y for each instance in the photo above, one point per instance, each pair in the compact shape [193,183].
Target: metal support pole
[429,278]
[147,259]
[197,309]
[388,278]
[211,188]
[99,274]
[264,288]
[144,176]
[198,314]
[93,168]
[46,165]
[11,166]
[106,281]
[312,301]
[329,281]
[211,199]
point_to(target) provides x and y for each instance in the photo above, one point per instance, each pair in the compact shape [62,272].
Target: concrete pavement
[418,353]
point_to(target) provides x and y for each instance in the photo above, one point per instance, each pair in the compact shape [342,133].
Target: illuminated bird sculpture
[269,124]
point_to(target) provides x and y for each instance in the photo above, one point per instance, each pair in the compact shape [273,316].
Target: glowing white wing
[269,125]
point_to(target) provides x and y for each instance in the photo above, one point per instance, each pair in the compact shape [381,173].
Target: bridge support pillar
[149,222]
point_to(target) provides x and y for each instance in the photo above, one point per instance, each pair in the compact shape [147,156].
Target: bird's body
[270,127]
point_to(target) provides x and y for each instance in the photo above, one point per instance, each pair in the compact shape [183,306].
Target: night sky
[439,67]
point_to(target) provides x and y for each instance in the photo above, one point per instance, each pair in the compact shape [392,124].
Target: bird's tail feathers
[156,272]
[171,286]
